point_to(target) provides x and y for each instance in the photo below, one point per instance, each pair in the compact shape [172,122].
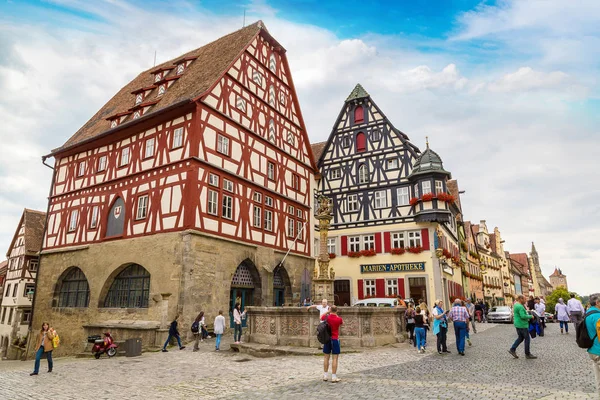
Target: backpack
[195,327]
[323,332]
[582,337]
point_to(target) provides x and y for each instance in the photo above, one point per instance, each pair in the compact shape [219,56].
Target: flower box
[368,253]
[332,256]
[415,249]
[448,198]
[446,253]
[413,202]
[427,197]
[398,251]
[354,254]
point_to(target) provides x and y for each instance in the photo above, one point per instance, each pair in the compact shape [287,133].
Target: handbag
[55,341]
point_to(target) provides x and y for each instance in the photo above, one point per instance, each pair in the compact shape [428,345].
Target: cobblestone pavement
[562,371]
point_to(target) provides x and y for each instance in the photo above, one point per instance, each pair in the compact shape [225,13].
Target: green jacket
[520,316]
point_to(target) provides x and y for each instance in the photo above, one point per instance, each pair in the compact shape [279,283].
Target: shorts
[333,347]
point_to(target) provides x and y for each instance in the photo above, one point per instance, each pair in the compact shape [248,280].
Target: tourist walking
[521,321]
[426,318]
[420,336]
[471,309]
[440,326]
[540,309]
[219,329]
[460,317]
[198,330]
[43,345]
[531,304]
[562,315]
[409,317]
[592,318]
[576,310]
[238,315]
[332,348]
[479,312]
[173,333]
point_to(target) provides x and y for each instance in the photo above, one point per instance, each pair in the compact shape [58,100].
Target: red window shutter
[380,287]
[344,243]
[401,287]
[361,142]
[387,242]
[378,242]
[425,238]
[359,114]
[361,289]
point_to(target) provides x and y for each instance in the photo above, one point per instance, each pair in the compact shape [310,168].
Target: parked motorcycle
[101,346]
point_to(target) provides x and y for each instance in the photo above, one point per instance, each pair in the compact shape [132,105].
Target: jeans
[566,325]
[596,361]
[237,333]
[460,332]
[410,328]
[441,339]
[523,335]
[169,339]
[38,357]
[421,338]
[218,342]
[473,325]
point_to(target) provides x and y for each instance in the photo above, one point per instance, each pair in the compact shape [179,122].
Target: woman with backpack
[197,326]
[173,332]
[409,317]
[421,339]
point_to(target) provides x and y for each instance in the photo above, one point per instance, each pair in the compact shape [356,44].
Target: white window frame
[403,196]
[290,227]
[346,141]
[269,220]
[392,163]
[426,186]
[228,185]
[376,135]
[369,287]
[439,187]
[354,243]
[331,245]
[414,239]
[177,137]
[227,207]
[257,216]
[73,220]
[398,240]
[416,190]
[142,207]
[352,202]
[94,219]
[381,199]
[363,174]
[223,144]
[291,210]
[391,286]
[257,197]
[268,201]
[125,155]
[270,170]
[299,230]
[368,242]
[213,202]
[299,213]
[213,179]
[149,148]
[81,169]
[335,173]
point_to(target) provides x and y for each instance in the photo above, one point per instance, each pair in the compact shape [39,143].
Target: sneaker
[201,340]
[182,347]
[335,380]
[208,337]
[462,353]
[469,342]
[33,373]
[447,351]
[325,377]
[164,350]
[195,350]
[440,353]
[530,356]
[513,353]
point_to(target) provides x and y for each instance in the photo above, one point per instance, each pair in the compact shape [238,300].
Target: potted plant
[413,202]
[398,251]
[354,254]
[415,249]
[368,253]
[332,256]
[427,197]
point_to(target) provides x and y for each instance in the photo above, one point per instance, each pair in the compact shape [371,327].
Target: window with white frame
[414,239]
[291,210]
[392,163]
[177,138]
[257,216]
[376,135]
[268,220]
[73,220]
[299,213]
[94,219]
[299,230]
[33,265]
[271,170]
[142,207]
[81,168]
[101,163]
[213,201]
[352,202]
[295,182]
[369,287]
[354,243]
[439,187]
[416,190]
[227,210]
[223,144]
[335,173]
[228,185]
[391,286]
[290,227]
[124,157]
[268,201]
[403,196]
[331,244]
[381,199]
[213,179]
[161,90]
[363,174]
[369,242]
[180,68]
[139,98]
[426,185]
[149,151]
[398,240]
[346,141]
[257,197]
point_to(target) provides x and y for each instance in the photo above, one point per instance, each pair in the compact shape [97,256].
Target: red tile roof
[523,262]
[317,150]
[212,60]
[34,230]
[452,185]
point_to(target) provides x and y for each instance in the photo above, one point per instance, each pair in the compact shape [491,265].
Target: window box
[398,251]
[413,202]
[354,254]
[427,197]
[332,256]
[415,249]
[448,198]
[368,253]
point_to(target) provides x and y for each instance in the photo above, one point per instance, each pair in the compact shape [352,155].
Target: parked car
[500,314]
[549,317]
[377,302]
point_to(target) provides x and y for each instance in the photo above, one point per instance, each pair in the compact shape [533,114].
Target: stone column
[324,275]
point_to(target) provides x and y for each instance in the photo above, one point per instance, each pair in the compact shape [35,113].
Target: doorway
[417,287]
[245,287]
[341,292]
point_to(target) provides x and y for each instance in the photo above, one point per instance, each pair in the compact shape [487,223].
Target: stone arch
[126,287]
[246,287]
[71,289]
[282,286]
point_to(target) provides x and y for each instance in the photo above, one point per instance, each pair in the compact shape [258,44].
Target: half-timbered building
[19,284]
[190,190]
[391,207]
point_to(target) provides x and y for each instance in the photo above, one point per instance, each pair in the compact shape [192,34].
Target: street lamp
[30,294]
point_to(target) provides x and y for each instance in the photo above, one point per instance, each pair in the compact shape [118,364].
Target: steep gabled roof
[210,62]
[523,262]
[3,267]
[317,150]
[34,230]
[357,93]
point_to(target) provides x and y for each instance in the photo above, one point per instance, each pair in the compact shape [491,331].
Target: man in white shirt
[575,309]
[323,309]
[540,309]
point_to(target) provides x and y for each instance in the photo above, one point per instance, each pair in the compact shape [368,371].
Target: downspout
[37,274]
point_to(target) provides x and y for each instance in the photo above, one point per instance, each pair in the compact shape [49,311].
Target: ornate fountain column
[324,275]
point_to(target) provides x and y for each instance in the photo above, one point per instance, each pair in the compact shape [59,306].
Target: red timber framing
[266,169]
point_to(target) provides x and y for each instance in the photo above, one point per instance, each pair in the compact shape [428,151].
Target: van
[377,302]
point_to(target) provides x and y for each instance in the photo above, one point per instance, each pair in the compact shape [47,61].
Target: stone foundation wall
[296,326]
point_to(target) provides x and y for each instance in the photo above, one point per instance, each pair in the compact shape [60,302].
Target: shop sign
[396,267]
[447,269]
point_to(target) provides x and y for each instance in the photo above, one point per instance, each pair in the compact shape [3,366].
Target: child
[219,328]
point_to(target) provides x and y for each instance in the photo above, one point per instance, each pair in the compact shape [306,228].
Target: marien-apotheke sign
[399,267]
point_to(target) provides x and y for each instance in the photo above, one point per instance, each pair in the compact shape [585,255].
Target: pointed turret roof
[533,250]
[357,93]
[429,161]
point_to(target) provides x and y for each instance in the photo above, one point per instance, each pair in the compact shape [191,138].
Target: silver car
[500,314]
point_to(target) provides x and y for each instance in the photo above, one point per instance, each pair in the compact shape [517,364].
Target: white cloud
[525,79]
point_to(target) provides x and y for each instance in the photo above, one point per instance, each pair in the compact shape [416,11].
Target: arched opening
[115,221]
[245,288]
[282,288]
[73,289]
[129,289]
[359,114]
[361,142]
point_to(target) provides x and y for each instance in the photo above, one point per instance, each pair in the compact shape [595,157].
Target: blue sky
[506,90]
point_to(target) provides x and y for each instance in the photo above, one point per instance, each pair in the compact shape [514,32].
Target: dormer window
[157,77]
[137,114]
[113,123]
[161,90]
[180,68]
[139,98]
